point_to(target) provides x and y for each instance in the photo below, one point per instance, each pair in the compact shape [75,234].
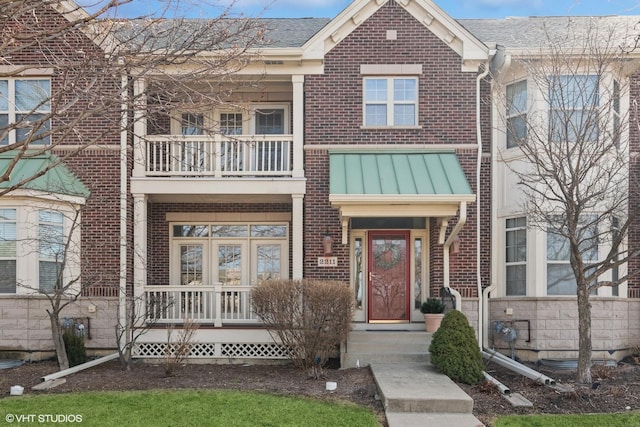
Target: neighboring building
[376,133]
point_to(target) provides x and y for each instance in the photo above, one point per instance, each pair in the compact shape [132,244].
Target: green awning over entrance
[59,179]
[398,174]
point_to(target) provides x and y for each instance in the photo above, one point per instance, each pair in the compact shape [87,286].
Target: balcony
[219,156]
[218,305]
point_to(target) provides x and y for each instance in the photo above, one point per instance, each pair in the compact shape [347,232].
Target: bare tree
[573,164]
[93,60]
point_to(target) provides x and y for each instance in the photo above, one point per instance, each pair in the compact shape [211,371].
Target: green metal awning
[397,184]
[58,180]
[398,176]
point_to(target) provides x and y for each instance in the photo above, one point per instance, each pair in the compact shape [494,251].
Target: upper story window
[516,113]
[192,124]
[25,110]
[573,114]
[516,256]
[270,121]
[391,101]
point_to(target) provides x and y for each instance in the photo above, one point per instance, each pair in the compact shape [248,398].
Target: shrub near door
[433,310]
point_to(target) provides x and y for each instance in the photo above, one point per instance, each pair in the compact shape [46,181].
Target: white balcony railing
[218,155]
[215,304]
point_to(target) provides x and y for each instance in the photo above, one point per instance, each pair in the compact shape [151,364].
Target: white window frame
[27,244]
[12,110]
[515,113]
[271,106]
[570,104]
[14,256]
[390,101]
[210,243]
[515,229]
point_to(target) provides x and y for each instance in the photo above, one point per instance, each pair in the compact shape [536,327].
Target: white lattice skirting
[215,350]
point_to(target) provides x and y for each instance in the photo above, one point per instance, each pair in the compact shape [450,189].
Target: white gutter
[81,367]
[445,251]
[504,361]
[478,200]
[503,388]
[122,293]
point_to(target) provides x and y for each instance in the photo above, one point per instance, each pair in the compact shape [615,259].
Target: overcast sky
[456,8]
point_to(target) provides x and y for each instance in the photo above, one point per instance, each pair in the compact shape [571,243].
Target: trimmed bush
[309,317]
[74,346]
[454,350]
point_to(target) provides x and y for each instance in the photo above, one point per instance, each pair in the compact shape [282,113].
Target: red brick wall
[634,185]
[333,111]
[78,86]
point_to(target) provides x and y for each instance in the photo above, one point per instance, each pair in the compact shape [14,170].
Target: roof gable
[458,38]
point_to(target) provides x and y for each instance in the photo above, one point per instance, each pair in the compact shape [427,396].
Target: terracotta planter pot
[432,321]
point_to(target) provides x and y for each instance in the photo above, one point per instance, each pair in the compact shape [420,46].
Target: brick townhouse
[372,152]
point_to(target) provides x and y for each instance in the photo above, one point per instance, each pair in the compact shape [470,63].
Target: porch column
[139,128]
[139,244]
[298,127]
[297,236]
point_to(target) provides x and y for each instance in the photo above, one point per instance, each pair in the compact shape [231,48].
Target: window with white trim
[516,256]
[50,250]
[516,113]
[8,237]
[573,114]
[391,101]
[25,110]
[560,277]
[234,254]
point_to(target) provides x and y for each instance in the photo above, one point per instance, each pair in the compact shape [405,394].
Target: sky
[331,8]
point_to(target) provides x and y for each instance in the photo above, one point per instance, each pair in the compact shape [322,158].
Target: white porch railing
[219,155]
[216,304]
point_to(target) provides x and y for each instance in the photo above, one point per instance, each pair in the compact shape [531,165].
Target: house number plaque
[327,261]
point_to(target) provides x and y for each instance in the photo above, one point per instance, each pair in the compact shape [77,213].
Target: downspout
[500,63]
[122,294]
[478,200]
[445,248]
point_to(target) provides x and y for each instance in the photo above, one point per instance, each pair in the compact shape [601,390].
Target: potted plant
[433,310]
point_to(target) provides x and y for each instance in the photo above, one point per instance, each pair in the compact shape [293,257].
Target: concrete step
[369,347]
[401,419]
[419,388]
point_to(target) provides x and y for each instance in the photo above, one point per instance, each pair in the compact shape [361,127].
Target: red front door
[389,290]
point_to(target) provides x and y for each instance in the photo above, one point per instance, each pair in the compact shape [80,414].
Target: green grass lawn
[591,420]
[179,408]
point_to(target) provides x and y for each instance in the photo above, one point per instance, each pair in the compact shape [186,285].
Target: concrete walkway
[417,395]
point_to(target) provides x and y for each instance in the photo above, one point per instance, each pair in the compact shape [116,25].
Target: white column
[139,244]
[297,235]
[139,128]
[298,126]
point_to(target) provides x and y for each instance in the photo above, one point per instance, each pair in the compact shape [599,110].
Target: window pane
[191,264]
[375,90]
[7,276]
[517,98]
[231,123]
[8,234]
[4,124]
[557,247]
[404,115]
[270,122]
[4,95]
[50,216]
[418,273]
[516,280]
[516,130]
[192,124]
[560,280]
[48,274]
[516,222]
[190,230]
[32,94]
[230,264]
[229,231]
[404,90]
[376,115]
[268,262]
[268,231]
[358,271]
[24,133]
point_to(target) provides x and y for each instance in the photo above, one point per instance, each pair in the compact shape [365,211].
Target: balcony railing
[217,304]
[218,155]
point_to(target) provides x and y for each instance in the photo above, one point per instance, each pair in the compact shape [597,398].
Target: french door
[389,291]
